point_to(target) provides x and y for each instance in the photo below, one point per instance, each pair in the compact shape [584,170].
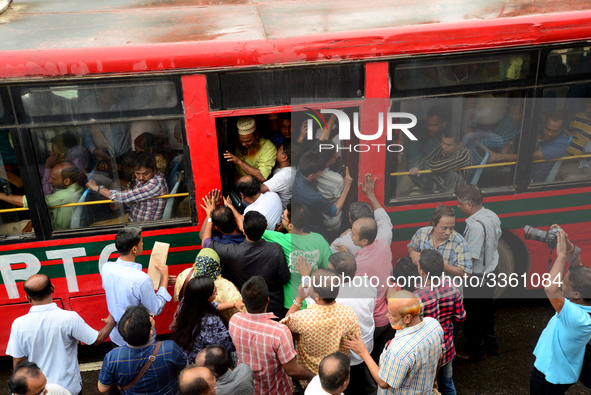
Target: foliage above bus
[80,37]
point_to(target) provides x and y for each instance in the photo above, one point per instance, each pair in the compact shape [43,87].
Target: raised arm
[347,181]
[553,291]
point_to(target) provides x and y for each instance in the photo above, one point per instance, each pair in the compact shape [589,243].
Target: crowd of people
[281,301]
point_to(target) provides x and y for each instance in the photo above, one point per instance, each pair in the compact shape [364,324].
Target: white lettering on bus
[105,254]
[67,256]
[9,276]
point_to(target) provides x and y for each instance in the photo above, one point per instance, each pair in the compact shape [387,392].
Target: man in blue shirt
[561,348]
[123,364]
[125,283]
[311,167]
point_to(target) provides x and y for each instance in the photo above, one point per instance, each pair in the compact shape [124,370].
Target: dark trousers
[359,383]
[479,327]
[538,385]
[381,336]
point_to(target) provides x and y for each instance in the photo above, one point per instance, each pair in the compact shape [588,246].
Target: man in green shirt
[254,156]
[295,244]
[64,179]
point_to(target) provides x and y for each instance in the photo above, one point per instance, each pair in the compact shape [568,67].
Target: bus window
[463,139]
[565,136]
[14,218]
[467,70]
[569,61]
[80,166]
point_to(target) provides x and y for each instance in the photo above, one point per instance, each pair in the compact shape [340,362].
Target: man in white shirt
[27,379]
[125,283]
[281,181]
[363,210]
[268,204]
[333,376]
[49,336]
[357,293]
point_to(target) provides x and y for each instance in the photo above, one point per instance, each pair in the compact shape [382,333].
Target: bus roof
[78,37]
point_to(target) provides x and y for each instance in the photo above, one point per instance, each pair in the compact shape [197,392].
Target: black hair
[332,381]
[254,225]
[323,285]
[145,159]
[344,263]
[438,111]
[68,139]
[360,210]
[17,383]
[249,186]
[127,238]
[194,307]
[514,102]
[135,326]
[311,163]
[223,218]
[325,148]
[556,116]
[297,151]
[431,262]
[40,293]
[255,295]
[440,212]
[288,208]
[581,277]
[198,386]
[455,136]
[469,193]
[300,213]
[217,358]
[287,149]
[71,172]
[368,229]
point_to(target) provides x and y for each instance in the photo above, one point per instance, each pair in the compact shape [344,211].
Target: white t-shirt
[49,336]
[281,183]
[268,204]
[314,388]
[54,389]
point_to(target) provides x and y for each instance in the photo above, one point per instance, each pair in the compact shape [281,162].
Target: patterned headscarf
[207,263]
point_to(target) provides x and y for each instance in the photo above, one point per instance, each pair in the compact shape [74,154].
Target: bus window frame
[8,118]
[566,79]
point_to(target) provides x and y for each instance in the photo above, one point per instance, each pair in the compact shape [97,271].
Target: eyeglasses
[285,219]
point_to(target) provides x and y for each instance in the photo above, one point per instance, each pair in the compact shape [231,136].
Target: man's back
[261,258]
[264,345]
[49,336]
[122,364]
[238,381]
[304,191]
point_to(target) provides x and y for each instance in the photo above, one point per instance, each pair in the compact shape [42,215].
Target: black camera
[550,237]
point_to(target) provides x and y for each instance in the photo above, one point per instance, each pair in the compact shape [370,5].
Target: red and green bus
[176,75]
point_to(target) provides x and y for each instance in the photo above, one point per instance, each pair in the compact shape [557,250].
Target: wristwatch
[295,302]
[98,190]
[209,219]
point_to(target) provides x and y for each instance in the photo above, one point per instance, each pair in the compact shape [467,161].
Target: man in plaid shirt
[264,344]
[444,303]
[149,183]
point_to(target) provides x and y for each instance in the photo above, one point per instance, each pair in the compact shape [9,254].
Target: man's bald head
[63,175]
[334,372]
[364,229]
[197,381]
[27,378]
[404,307]
[215,358]
[38,287]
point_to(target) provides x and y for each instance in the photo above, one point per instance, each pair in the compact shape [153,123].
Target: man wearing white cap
[254,156]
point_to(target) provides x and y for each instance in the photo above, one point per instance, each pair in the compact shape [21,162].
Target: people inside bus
[239,380]
[281,180]
[312,165]
[498,138]
[150,137]
[268,203]
[295,244]
[27,378]
[321,326]
[149,184]
[125,283]
[580,130]
[65,148]
[255,256]
[560,351]
[274,363]
[48,335]
[428,137]
[122,364]
[64,180]
[330,183]
[551,144]
[254,155]
[459,74]
[284,132]
[447,161]
[409,362]
[199,322]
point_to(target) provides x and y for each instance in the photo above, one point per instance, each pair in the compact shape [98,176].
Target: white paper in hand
[158,256]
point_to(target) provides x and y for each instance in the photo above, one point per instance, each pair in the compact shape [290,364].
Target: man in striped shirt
[264,344]
[447,161]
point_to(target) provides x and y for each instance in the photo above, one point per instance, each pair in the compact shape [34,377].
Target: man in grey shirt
[483,230]
[230,382]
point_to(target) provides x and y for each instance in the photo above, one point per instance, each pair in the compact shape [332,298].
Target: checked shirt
[139,199]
